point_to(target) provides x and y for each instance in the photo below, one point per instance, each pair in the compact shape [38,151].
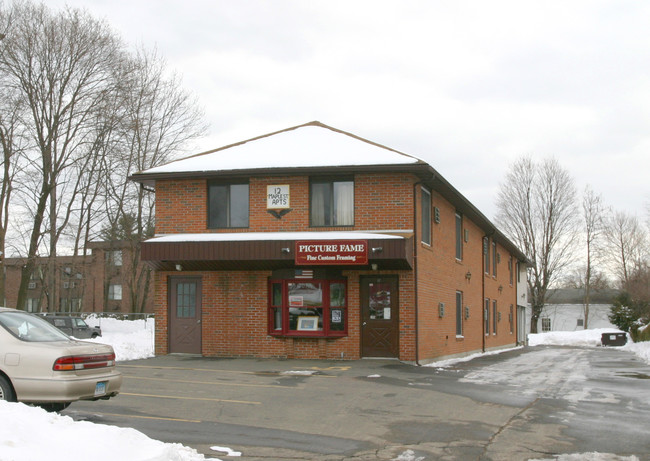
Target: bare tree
[61,64]
[592,213]
[158,119]
[537,209]
[12,146]
[626,244]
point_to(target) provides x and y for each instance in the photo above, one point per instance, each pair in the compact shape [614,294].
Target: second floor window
[426,216]
[459,236]
[331,202]
[227,205]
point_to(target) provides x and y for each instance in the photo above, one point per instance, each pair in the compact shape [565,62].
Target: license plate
[100,388]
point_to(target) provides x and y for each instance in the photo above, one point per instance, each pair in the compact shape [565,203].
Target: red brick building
[109,279]
[312,242]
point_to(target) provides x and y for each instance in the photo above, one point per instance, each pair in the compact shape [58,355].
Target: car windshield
[28,327]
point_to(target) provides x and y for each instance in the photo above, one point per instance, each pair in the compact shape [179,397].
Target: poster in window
[296,301]
[337,315]
[308,323]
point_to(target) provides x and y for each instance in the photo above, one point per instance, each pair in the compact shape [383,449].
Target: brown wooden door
[379,317]
[185,315]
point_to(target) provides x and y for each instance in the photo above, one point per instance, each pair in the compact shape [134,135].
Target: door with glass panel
[379,317]
[185,315]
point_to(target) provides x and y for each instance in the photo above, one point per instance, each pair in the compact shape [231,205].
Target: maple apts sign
[323,252]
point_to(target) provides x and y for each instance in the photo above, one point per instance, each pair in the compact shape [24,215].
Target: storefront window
[308,308]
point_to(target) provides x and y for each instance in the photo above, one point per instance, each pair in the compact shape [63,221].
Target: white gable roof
[309,145]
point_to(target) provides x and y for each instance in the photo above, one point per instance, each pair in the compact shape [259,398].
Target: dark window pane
[426,216]
[277,294]
[218,202]
[459,313]
[337,295]
[320,204]
[239,205]
[185,300]
[459,237]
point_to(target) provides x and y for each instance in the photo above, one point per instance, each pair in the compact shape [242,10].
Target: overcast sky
[468,86]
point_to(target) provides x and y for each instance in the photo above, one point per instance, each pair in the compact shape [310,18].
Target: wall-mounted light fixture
[179,267]
[286,250]
[500,288]
[377,249]
[468,275]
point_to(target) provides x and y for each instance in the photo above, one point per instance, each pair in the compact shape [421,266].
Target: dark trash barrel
[613,339]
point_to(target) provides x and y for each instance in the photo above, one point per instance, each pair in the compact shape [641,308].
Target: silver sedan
[41,365]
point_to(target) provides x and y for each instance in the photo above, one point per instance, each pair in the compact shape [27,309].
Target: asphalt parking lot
[529,403]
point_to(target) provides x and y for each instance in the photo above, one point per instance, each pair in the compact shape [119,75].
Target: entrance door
[184,315]
[379,317]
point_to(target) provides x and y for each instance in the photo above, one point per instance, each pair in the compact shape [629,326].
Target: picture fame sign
[331,252]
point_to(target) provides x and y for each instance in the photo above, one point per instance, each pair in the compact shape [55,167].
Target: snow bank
[131,339]
[587,338]
[30,433]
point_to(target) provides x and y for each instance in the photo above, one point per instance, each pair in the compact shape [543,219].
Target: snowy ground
[31,434]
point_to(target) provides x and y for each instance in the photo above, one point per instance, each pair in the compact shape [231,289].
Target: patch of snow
[305,146]
[374,376]
[253,236]
[450,362]
[586,338]
[591,456]
[226,450]
[131,339]
[408,455]
[299,372]
[30,433]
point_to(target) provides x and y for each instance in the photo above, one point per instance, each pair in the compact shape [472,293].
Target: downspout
[486,251]
[415,271]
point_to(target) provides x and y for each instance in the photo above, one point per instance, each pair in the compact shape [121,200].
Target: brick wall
[235,312]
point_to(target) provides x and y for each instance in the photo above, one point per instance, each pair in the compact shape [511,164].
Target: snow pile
[586,338]
[592,456]
[31,433]
[131,339]
[467,358]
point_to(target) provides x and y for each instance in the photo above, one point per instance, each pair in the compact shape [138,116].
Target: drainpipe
[415,271]
[486,251]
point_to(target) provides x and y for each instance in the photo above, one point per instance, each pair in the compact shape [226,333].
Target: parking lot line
[162,418]
[213,383]
[175,397]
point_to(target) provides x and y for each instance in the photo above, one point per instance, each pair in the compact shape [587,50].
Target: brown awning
[207,255]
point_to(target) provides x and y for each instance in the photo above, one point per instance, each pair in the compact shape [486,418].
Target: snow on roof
[310,145]
[252,236]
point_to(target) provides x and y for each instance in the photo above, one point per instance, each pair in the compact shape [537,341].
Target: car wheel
[6,391]
[53,407]
[95,335]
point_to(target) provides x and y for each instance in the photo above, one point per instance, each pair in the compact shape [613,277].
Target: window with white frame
[115,292]
[546,324]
